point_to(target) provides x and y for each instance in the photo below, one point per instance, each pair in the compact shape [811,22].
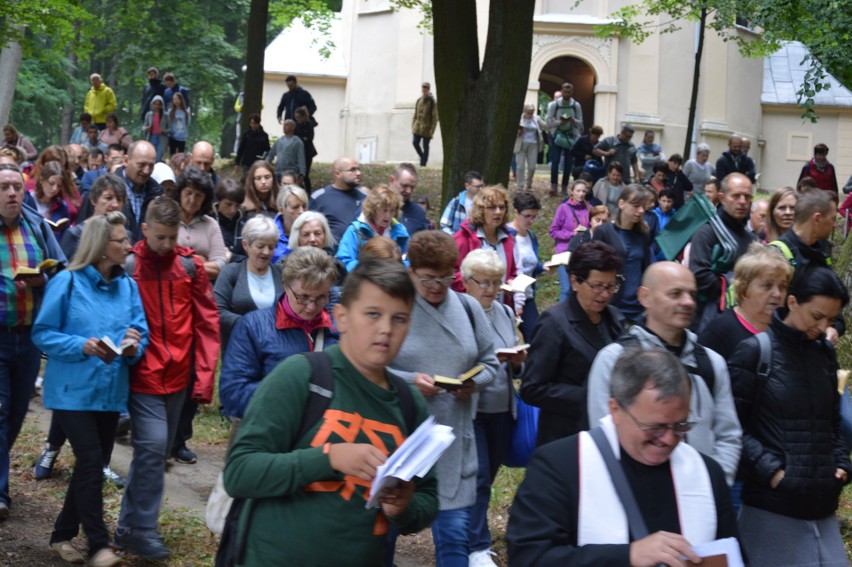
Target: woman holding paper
[794,461]
[482,272]
[449,335]
[486,228]
[94,298]
[527,207]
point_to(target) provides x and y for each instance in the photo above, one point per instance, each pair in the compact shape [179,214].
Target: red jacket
[183,324]
[467,240]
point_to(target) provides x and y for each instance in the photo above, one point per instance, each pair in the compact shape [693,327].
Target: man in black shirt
[567,512]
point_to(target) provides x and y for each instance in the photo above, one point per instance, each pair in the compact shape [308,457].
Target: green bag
[680,228]
[564,138]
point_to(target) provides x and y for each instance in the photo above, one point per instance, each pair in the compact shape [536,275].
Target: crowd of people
[682,397]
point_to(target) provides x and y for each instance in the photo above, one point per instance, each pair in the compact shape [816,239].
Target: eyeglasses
[496,208]
[658,430]
[305,300]
[432,283]
[488,283]
[529,217]
[612,289]
[125,240]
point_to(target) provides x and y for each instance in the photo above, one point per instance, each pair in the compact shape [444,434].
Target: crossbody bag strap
[635,521]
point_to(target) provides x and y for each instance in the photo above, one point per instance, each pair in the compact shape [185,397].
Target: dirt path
[24,537]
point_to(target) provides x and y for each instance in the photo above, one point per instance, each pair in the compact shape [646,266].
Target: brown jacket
[425,118]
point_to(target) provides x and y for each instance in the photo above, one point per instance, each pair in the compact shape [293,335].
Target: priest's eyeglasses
[659,429]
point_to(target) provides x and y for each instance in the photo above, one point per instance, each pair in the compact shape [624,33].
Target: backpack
[232,545]
[186,261]
[703,368]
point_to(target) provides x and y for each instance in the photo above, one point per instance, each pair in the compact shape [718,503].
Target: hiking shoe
[482,558]
[4,511]
[105,558]
[122,428]
[113,477]
[67,552]
[44,465]
[185,456]
[144,543]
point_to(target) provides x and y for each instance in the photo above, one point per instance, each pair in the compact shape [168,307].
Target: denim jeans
[557,154]
[423,153]
[451,534]
[493,436]
[529,318]
[88,432]
[153,421]
[564,283]
[19,362]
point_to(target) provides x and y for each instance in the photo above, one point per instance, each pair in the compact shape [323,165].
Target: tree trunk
[696,74]
[10,64]
[479,107]
[232,29]
[255,48]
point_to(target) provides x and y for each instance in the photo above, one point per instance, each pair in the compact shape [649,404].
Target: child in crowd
[156,126]
[178,124]
[228,209]
[663,213]
[377,218]
[48,198]
[316,483]
[423,201]
[184,338]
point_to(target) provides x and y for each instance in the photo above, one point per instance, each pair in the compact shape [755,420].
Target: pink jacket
[568,217]
[467,240]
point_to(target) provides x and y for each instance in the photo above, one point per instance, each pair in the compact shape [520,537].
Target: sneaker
[105,558]
[4,511]
[482,558]
[122,428]
[44,465]
[113,477]
[144,543]
[67,552]
[185,456]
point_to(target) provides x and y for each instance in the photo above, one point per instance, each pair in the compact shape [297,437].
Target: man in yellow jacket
[100,101]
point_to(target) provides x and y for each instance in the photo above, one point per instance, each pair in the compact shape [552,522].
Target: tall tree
[480,103]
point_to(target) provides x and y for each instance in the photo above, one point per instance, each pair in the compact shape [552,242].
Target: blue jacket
[259,342]
[539,268]
[77,306]
[282,247]
[359,232]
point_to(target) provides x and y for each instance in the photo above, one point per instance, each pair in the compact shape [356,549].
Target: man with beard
[154,88]
[668,296]
[341,201]
[403,180]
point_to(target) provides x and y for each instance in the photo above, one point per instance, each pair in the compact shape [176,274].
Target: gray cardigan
[441,341]
[234,298]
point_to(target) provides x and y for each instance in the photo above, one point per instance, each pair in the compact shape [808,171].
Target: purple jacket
[569,215]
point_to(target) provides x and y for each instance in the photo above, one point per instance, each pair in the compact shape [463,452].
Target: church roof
[784,73]
[298,51]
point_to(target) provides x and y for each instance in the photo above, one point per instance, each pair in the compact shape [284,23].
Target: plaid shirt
[454,214]
[18,247]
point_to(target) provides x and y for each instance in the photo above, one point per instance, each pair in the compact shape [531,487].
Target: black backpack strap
[704,368]
[635,521]
[406,402]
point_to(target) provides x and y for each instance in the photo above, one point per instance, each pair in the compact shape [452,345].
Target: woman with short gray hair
[292,201]
[699,170]
[252,284]
[311,229]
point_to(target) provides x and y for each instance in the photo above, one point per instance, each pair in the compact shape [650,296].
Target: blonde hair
[96,235]
[759,260]
[381,197]
[488,197]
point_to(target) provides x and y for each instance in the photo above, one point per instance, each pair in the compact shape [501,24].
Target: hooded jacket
[149,119]
[183,323]
[359,232]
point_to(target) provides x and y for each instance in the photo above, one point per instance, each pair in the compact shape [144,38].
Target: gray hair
[96,234]
[310,266]
[702,148]
[286,191]
[482,261]
[259,228]
[637,369]
[528,107]
[309,216]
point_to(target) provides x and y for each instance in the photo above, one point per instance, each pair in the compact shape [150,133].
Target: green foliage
[62,20]
[425,8]
[316,15]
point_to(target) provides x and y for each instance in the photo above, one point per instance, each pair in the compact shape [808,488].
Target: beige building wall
[790,142]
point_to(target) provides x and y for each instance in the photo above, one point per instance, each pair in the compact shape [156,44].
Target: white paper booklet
[417,454]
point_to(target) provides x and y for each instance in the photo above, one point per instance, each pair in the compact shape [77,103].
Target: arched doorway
[577,72]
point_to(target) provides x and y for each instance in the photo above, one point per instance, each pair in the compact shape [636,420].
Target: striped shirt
[18,247]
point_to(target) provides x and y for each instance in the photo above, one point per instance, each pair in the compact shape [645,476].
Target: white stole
[601,517]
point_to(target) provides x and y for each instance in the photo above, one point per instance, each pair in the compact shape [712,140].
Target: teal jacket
[359,232]
[77,306]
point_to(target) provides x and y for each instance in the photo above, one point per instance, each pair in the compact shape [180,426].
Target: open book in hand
[519,284]
[113,350]
[58,224]
[560,259]
[417,454]
[45,267]
[512,350]
[451,384]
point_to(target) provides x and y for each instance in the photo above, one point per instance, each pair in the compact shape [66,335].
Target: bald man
[141,188]
[341,201]
[202,157]
[668,295]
